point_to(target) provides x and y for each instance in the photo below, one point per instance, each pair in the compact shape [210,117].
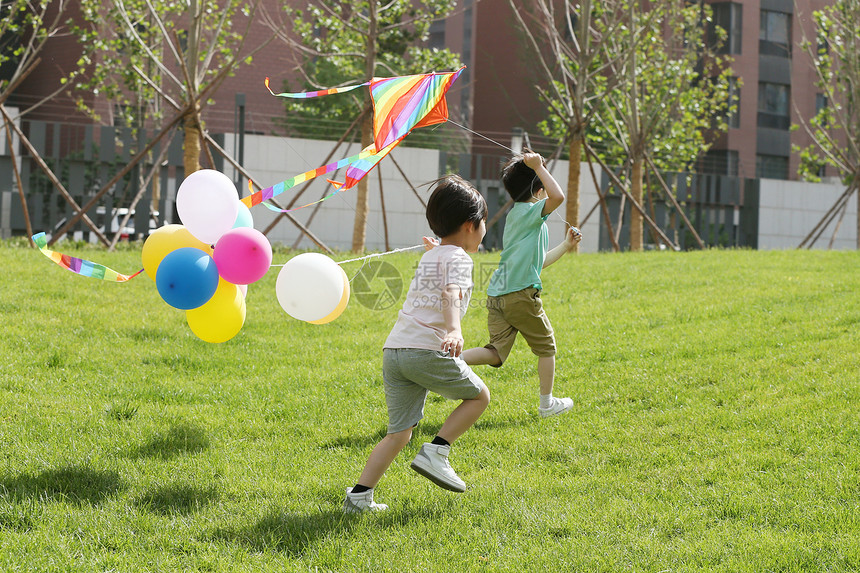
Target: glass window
[773,102]
[775,34]
[771,167]
[720,162]
[437,35]
[729,17]
[734,117]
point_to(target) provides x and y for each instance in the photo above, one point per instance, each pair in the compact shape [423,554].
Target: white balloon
[207,203]
[310,286]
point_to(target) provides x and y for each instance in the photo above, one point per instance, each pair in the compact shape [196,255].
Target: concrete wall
[274,159]
[789,210]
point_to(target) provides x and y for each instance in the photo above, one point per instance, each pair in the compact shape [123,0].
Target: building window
[734,100]
[437,35]
[771,167]
[729,17]
[720,162]
[820,102]
[774,37]
[773,105]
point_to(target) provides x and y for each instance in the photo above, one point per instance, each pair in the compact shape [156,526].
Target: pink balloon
[242,255]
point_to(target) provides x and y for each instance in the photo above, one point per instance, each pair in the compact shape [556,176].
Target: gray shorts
[410,373]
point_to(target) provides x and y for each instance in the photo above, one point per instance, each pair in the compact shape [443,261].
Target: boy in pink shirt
[422,352]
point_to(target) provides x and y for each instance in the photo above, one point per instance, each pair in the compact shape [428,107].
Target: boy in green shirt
[513,303]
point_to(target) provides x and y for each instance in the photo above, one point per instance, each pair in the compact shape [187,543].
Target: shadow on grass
[422,433]
[177,499]
[355,441]
[293,534]
[76,484]
[179,439]
[425,432]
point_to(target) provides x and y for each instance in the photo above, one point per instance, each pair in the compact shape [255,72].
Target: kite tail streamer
[320,93]
[81,266]
[358,166]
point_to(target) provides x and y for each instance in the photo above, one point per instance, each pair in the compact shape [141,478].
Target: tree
[673,90]
[25,28]
[567,41]
[139,52]
[835,129]
[343,41]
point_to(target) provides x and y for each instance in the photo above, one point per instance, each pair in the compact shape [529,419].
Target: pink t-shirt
[420,323]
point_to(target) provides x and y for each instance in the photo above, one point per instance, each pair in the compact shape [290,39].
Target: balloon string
[381,254]
[373,255]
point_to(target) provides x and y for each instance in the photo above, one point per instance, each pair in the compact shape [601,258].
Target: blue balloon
[186,278]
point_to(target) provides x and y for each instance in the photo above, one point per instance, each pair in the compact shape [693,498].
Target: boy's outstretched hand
[430,242]
[572,237]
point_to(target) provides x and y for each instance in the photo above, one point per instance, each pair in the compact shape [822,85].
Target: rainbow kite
[400,105]
[80,266]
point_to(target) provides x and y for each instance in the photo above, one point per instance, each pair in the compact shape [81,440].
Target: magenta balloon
[242,255]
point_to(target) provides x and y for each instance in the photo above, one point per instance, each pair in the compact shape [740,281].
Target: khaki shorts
[520,311]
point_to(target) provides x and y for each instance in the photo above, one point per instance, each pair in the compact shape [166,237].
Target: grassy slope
[715,427]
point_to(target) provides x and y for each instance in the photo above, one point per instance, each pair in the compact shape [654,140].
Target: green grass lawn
[716,426]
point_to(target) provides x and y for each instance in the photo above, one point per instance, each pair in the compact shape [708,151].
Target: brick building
[497,91]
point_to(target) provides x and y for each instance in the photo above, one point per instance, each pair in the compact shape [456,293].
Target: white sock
[546,400]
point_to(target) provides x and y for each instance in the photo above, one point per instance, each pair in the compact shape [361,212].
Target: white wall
[789,210]
[587,199]
[273,159]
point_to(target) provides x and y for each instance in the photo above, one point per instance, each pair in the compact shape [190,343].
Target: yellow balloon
[341,306]
[222,317]
[164,241]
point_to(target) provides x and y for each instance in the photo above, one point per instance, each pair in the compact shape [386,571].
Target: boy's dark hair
[453,202]
[520,180]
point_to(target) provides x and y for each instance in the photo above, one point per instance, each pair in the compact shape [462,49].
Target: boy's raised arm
[554,193]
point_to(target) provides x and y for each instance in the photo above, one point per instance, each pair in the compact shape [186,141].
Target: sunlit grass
[715,427]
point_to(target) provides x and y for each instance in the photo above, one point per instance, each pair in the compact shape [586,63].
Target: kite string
[480,135]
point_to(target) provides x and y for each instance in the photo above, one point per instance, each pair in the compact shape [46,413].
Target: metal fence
[84,158]
[722,209]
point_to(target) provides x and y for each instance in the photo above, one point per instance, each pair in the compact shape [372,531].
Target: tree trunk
[572,210]
[362,202]
[635,215]
[362,198]
[191,145]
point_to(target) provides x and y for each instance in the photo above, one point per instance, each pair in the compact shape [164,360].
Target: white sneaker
[558,406]
[432,462]
[361,502]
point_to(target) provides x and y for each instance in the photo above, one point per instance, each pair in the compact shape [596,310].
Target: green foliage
[715,427]
[118,37]
[335,35]
[835,129]
[667,102]
[24,29]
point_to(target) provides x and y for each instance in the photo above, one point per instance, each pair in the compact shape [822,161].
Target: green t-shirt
[525,242]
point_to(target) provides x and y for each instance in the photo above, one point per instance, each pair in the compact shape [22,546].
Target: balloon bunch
[204,265]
